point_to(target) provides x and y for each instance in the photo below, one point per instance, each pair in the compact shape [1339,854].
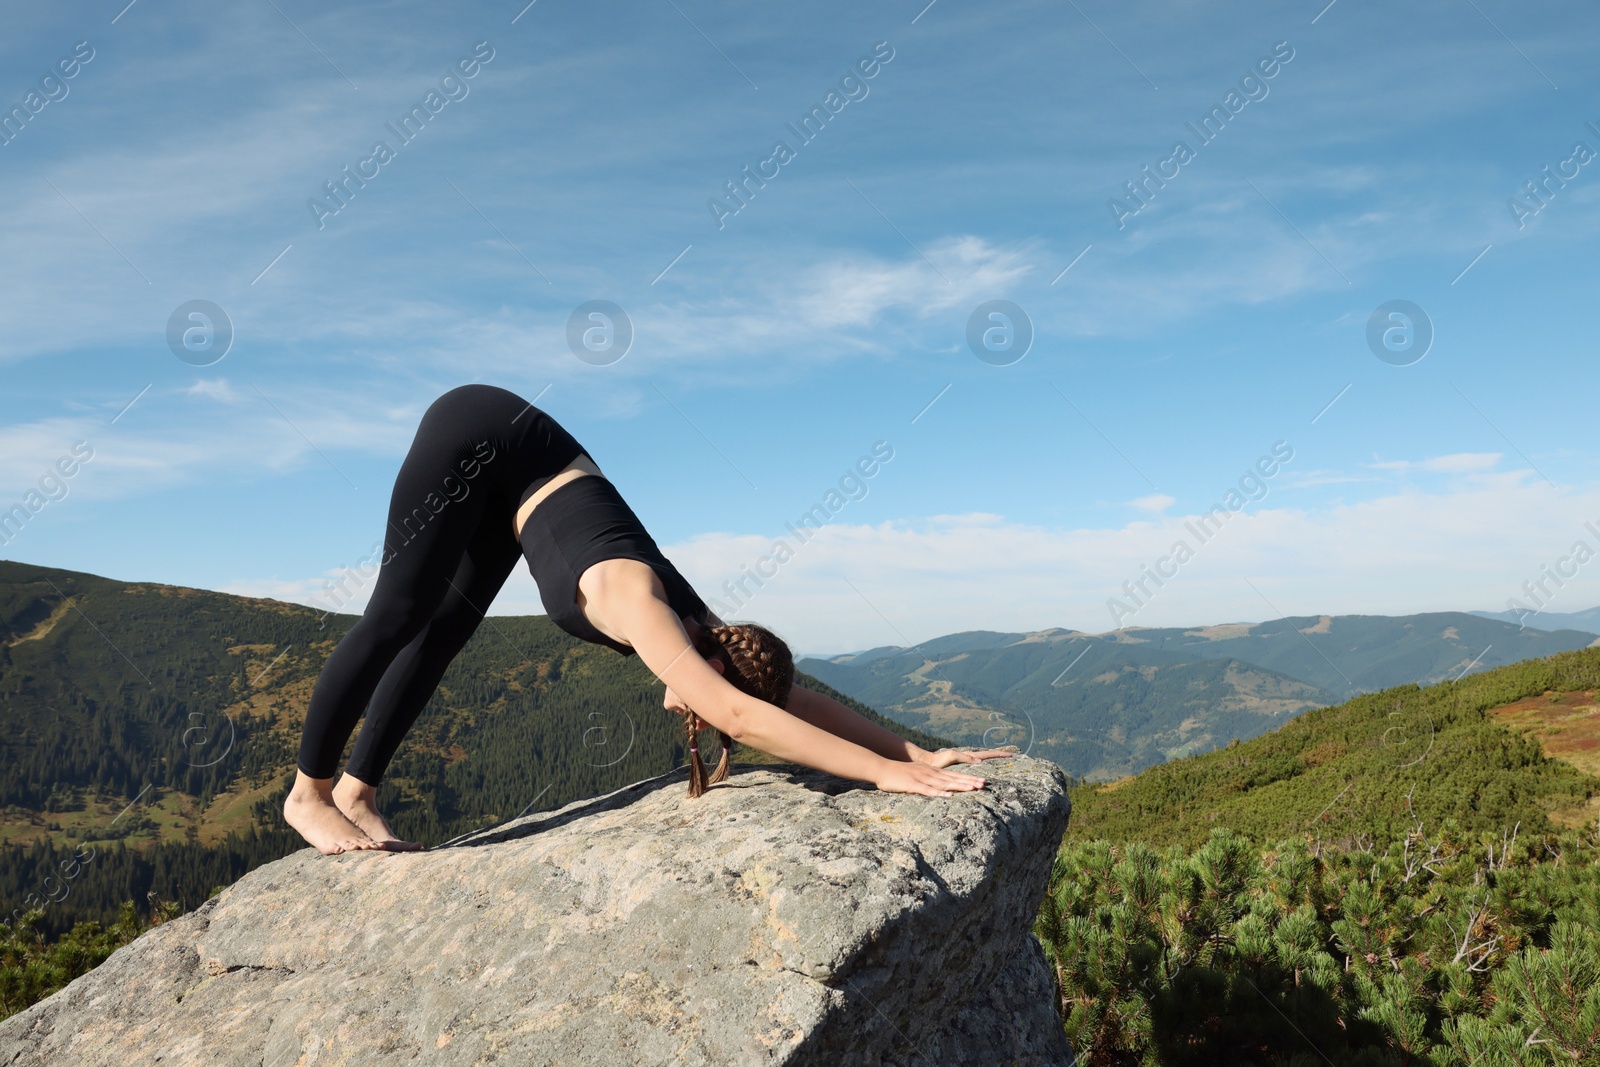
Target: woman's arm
[828,714]
[661,642]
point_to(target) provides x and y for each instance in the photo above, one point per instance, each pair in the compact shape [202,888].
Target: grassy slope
[1344,772]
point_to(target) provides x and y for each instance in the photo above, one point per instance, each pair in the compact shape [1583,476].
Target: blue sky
[770,352]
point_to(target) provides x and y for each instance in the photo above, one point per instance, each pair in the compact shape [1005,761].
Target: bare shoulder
[638,614]
[624,579]
[618,596]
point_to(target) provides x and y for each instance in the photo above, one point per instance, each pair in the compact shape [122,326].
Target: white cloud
[28,450]
[841,303]
[853,291]
[1466,548]
[1310,478]
[1456,463]
[1155,503]
[217,389]
[970,518]
[177,437]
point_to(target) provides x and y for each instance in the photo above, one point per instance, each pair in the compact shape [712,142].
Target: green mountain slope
[1365,772]
[1137,710]
[1406,878]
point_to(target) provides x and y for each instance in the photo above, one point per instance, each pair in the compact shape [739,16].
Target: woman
[488,479]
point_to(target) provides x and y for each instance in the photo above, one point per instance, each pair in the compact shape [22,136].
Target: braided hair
[756,662]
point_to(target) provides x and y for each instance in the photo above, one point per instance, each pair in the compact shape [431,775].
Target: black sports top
[581,523]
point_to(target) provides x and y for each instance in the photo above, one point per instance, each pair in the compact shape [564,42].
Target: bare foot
[356,800]
[323,825]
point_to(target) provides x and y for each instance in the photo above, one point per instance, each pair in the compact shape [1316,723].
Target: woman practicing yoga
[491,478]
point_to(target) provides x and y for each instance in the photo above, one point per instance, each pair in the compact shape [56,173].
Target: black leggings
[449,547]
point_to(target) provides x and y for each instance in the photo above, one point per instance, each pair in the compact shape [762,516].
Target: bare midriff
[576,469]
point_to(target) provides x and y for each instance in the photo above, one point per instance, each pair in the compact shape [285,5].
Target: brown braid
[756,662]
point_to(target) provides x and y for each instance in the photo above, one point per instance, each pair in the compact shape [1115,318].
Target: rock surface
[786,917]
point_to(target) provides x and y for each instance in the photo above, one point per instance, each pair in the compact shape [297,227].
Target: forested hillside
[153,729]
[1127,710]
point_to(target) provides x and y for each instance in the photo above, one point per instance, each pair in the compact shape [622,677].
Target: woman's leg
[411,679]
[433,517]
[412,585]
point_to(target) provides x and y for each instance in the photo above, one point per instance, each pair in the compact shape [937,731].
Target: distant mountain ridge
[1549,620]
[1111,704]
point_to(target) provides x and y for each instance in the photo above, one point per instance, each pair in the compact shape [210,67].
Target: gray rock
[786,917]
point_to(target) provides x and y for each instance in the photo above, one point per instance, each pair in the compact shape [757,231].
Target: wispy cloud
[1466,548]
[1155,503]
[1456,463]
[207,431]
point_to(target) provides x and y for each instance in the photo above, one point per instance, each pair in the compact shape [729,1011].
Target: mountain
[1119,708]
[1588,621]
[1511,747]
[156,727]
[1108,705]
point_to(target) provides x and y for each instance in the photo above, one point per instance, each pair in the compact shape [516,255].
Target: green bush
[31,968]
[1439,950]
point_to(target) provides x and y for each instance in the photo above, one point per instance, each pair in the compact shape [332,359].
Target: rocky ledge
[786,917]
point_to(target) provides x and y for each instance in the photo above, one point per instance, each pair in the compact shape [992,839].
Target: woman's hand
[899,777]
[946,756]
